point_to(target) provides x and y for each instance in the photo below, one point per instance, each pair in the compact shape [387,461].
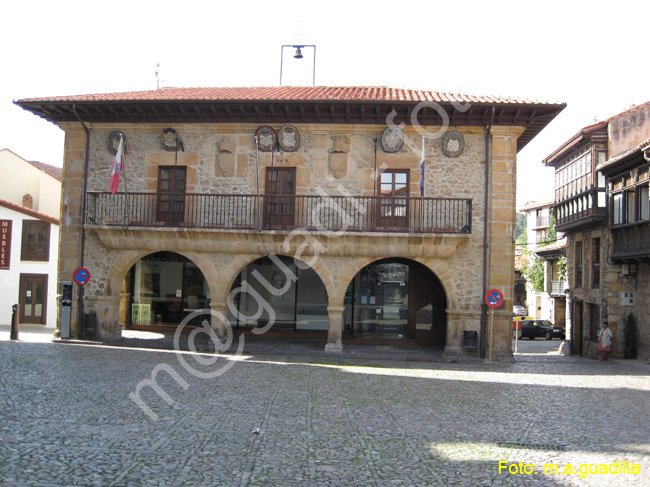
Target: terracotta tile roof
[625,112]
[531,205]
[294,93]
[55,172]
[28,211]
[521,261]
[554,248]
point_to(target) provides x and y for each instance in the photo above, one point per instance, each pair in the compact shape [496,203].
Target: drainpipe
[486,220]
[80,318]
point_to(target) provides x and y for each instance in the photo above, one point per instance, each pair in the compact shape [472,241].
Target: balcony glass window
[630,202]
[617,209]
[644,203]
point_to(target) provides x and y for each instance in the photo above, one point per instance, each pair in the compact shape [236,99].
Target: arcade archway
[278,293]
[396,299]
[163,288]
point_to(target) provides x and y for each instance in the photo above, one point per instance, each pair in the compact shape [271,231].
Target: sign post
[494,299]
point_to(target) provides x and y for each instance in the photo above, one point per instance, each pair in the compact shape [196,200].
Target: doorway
[280,197]
[396,299]
[33,298]
[578,325]
[393,199]
[171,194]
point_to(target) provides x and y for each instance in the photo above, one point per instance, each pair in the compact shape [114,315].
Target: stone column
[335,329]
[106,309]
[502,217]
[459,321]
[219,326]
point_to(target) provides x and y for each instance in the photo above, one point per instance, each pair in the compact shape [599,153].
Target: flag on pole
[422,170]
[117,168]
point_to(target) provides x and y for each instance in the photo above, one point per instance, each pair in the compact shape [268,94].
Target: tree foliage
[521,227]
[534,271]
[551,234]
[561,268]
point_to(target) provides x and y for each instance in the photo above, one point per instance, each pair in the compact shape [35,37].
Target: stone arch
[237,263]
[352,267]
[399,297]
[128,258]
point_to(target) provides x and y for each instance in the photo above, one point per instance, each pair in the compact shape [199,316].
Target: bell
[298,54]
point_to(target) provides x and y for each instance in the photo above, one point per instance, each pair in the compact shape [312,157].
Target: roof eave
[533,117]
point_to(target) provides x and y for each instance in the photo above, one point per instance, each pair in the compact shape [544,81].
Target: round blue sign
[494,298]
[81,276]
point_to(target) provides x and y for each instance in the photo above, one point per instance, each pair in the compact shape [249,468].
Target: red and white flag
[117,169]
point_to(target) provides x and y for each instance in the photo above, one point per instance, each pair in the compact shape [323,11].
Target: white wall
[26,178]
[10,279]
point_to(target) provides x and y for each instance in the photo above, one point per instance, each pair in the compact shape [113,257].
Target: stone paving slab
[66,419]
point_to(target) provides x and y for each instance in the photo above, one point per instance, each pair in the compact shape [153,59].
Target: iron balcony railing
[270,212]
[35,252]
[541,221]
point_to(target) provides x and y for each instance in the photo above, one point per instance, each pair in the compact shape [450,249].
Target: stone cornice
[350,244]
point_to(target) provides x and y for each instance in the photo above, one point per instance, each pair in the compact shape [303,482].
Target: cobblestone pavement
[66,419]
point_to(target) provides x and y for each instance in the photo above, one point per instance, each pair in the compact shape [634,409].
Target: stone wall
[628,129]
[222,159]
[613,283]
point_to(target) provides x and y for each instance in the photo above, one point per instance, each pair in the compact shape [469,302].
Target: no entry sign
[494,298]
[81,276]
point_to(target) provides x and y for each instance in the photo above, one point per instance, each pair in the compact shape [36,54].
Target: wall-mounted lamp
[298,55]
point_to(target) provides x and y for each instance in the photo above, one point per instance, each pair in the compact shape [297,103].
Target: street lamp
[298,55]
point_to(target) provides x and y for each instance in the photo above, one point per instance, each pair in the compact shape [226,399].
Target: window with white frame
[644,203]
[617,209]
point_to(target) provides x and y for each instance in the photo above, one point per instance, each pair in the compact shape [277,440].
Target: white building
[29,219]
[550,303]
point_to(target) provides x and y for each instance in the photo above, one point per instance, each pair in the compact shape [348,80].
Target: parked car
[532,329]
[519,310]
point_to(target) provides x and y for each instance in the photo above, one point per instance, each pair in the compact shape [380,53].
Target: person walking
[605,342]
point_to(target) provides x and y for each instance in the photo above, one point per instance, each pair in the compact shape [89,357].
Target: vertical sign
[5,244]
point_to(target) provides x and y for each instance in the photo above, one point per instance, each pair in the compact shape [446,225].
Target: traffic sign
[494,298]
[81,276]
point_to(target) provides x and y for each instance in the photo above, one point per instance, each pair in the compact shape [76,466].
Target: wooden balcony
[589,214]
[281,212]
[631,242]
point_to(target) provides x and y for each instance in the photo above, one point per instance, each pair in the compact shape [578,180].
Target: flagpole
[126,188]
[258,206]
[422,187]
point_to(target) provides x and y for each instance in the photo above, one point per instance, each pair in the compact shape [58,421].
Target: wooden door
[280,197]
[393,199]
[33,298]
[171,194]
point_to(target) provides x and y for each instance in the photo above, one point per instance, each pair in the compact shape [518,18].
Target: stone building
[601,199]
[301,209]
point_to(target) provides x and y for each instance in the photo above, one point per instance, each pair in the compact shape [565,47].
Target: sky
[588,54]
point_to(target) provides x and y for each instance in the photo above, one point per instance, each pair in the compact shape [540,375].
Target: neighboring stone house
[543,243]
[30,195]
[601,199]
[223,187]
